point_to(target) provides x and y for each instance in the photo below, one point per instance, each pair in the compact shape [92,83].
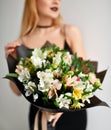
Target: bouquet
[56,79]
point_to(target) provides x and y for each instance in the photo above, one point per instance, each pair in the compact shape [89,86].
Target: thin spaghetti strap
[64,31]
[66,45]
[39,120]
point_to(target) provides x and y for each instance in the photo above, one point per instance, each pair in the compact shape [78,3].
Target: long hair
[31,18]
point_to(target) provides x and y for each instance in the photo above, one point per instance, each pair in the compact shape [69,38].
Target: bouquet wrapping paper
[61,72]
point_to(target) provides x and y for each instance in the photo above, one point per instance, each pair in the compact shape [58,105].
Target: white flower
[46,79]
[75,82]
[28,93]
[87,97]
[63,101]
[67,58]
[38,58]
[57,84]
[57,58]
[35,97]
[82,75]
[31,85]
[93,79]
[89,87]
[24,75]
[30,90]
[57,72]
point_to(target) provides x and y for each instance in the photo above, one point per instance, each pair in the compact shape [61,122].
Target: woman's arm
[10,50]
[14,88]
[75,40]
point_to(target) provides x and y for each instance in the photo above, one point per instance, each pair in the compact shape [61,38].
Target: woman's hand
[10,49]
[56,117]
[52,116]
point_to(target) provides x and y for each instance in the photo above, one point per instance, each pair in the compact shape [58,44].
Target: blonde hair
[31,18]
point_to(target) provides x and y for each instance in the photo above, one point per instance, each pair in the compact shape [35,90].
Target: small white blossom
[82,75]
[35,97]
[29,88]
[31,85]
[28,93]
[87,97]
[38,58]
[57,72]
[89,87]
[24,75]
[45,80]
[63,101]
[57,58]
[67,58]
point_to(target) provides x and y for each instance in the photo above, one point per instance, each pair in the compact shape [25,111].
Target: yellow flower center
[77,93]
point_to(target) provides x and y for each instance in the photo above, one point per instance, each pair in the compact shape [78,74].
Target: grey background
[94,20]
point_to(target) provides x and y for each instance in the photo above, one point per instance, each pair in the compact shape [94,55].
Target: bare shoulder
[72,30]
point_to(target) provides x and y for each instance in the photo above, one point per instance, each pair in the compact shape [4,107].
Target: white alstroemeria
[24,75]
[47,53]
[35,97]
[70,81]
[79,84]
[75,82]
[19,68]
[28,93]
[82,74]
[54,86]
[93,79]
[63,101]
[29,88]
[38,58]
[46,79]
[57,84]
[57,58]
[57,72]
[89,87]
[67,58]
[31,85]
[87,97]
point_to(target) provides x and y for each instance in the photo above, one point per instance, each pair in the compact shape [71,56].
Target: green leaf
[12,75]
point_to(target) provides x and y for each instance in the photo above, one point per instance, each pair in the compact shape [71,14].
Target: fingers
[56,117]
[10,49]
[52,117]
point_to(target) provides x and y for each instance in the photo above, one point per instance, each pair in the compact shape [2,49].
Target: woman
[41,23]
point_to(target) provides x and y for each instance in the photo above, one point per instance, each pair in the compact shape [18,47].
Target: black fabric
[32,112]
[72,121]
[40,120]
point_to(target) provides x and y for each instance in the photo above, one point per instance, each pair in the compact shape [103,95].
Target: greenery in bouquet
[57,78]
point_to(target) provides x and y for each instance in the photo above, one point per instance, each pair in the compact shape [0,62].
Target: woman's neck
[45,23]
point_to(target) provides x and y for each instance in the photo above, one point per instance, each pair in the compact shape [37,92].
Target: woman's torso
[54,35]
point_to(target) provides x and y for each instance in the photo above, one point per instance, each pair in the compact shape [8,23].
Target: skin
[52,34]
